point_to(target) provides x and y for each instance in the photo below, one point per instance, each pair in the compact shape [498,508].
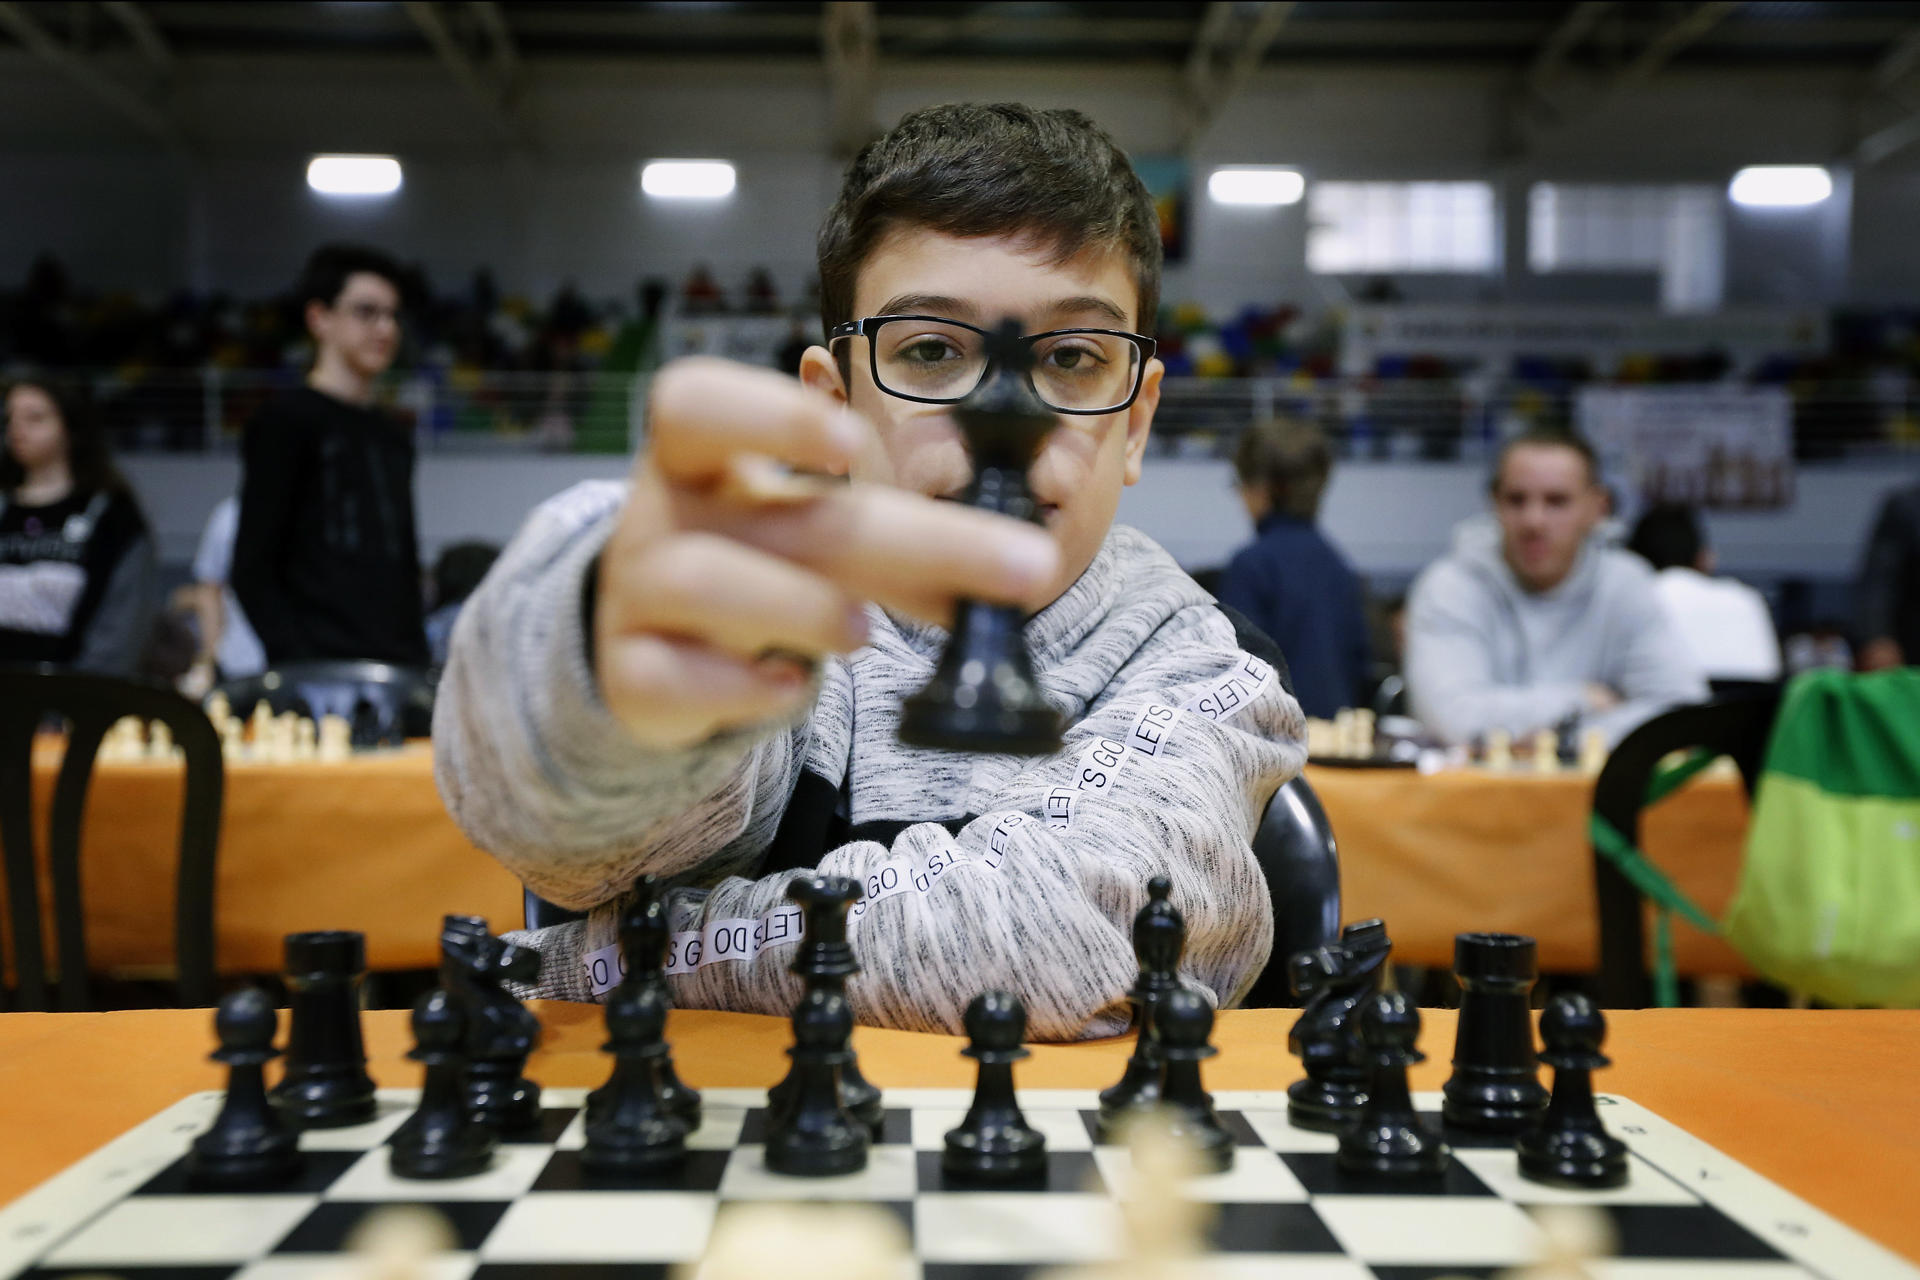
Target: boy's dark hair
[328,267]
[88,458]
[973,169]
[1291,460]
[1668,536]
[1545,438]
[458,572]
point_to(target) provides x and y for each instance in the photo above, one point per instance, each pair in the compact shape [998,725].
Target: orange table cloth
[1820,1102]
[1466,850]
[360,844]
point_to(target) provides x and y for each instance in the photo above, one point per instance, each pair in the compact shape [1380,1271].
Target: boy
[620,697]
[326,563]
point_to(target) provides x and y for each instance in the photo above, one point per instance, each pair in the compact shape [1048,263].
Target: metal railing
[453,411]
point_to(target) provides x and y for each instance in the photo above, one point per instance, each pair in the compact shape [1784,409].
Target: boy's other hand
[718,590]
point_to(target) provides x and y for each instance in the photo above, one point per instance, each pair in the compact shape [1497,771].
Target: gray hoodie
[980,870]
[1483,652]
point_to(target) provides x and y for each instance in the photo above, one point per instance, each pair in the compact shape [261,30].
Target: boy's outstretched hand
[715,592]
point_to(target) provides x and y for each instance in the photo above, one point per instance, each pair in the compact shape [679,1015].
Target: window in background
[1677,231]
[1401,226]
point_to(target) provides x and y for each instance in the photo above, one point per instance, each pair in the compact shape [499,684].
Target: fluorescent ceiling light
[1780,186]
[1256,185]
[354,175]
[687,179]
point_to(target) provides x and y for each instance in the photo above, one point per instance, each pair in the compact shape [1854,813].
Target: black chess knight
[983,696]
[501,1032]
[1330,982]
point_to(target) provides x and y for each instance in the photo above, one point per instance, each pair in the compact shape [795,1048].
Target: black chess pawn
[995,1143]
[1185,1020]
[1159,937]
[441,1139]
[1568,1145]
[814,1135]
[250,1143]
[983,695]
[1389,1140]
[326,1082]
[643,945]
[634,1130]
[825,960]
[501,1032]
[1495,1086]
[1330,982]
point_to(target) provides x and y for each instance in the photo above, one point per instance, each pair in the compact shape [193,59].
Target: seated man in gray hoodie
[1540,622]
[698,674]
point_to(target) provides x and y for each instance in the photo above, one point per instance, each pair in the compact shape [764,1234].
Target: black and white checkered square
[1284,1208]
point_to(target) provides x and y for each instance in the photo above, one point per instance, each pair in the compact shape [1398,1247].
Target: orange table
[1820,1102]
[366,844]
[362,844]
[1460,850]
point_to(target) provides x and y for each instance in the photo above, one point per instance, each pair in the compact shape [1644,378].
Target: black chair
[89,704]
[386,704]
[1295,849]
[1736,725]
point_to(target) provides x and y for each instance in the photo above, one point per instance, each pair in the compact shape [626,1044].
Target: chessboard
[1283,1209]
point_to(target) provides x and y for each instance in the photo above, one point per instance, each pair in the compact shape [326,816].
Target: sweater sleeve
[116,637]
[1450,672]
[1167,775]
[536,769]
[272,468]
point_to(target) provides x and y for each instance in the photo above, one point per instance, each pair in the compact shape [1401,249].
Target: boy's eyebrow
[959,309]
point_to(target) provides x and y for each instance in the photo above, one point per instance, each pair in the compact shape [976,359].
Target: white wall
[234,213]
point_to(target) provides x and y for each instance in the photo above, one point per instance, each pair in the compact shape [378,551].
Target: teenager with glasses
[698,675]
[326,562]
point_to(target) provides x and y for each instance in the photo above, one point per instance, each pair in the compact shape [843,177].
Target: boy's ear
[819,370]
[1140,420]
[317,315]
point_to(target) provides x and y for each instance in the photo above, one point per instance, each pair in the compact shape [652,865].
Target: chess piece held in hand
[983,695]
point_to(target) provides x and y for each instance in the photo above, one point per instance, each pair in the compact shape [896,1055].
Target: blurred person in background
[1290,581]
[1533,622]
[326,560]
[228,647]
[457,574]
[77,577]
[1725,623]
[1890,585]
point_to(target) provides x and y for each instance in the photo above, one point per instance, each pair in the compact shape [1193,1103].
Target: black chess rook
[250,1144]
[983,695]
[326,1084]
[1495,1086]
[1568,1145]
[994,1143]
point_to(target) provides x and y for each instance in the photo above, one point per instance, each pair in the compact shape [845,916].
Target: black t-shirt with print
[55,563]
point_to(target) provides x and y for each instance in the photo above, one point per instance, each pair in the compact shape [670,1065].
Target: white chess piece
[1363,728]
[398,1242]
[219,711]
[122,741]
[848,1241]
[336,739]
[1573,1236]
[1343,732]
[1593,752]
[233,744]
[304,747]
[159,741]
[260,729]
[1499,757]
[1546,751]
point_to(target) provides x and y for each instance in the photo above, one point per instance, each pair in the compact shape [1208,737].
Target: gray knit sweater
[981,871]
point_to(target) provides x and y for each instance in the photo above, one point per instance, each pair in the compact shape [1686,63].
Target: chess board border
[34,1225]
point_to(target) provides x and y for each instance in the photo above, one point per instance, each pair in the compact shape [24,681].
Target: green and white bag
[1829,895]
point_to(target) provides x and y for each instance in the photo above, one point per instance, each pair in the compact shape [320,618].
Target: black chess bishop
[250,1144]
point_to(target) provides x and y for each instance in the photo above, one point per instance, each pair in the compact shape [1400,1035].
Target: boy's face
[362,326]
[1083,465]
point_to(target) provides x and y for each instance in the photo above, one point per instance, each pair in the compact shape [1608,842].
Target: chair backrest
[1735,725]
[385,703]
[89,704]
[1295,848]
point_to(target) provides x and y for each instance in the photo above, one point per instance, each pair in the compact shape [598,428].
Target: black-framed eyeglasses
[934,360]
